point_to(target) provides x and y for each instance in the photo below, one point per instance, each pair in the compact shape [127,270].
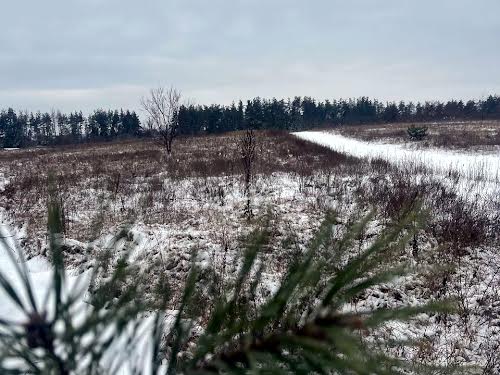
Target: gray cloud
[84,54]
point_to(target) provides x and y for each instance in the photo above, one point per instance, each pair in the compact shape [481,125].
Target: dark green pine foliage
[102,122]
[240,116]
[76,123]
[35,128]
[131,125]
[301,329]
[48,134]
[11,129]
[18,129]
[296,120]
[417,133]
[114,130]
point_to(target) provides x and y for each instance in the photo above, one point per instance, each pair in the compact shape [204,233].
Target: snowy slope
[39,272]
[475,281]
[472,174]
[40,275]
[469,165]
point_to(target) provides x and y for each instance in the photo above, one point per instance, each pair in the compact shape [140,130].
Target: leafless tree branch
[162,106]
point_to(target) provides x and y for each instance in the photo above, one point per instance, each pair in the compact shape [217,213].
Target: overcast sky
[85,54]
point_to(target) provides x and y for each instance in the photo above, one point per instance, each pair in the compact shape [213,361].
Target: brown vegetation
[460,135]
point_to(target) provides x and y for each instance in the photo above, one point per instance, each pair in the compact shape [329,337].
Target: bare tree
[248,152]
[162,106]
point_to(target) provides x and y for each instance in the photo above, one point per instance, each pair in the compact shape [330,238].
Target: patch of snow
[473,174]
[466,164]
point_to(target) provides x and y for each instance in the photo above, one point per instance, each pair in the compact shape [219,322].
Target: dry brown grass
[193,201]
[103,184]
[107,183]
[192,157]
[460,135]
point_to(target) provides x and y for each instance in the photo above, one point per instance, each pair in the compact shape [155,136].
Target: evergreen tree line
[303,113]
[20,129]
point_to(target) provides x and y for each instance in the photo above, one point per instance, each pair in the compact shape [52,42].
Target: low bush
[417,133]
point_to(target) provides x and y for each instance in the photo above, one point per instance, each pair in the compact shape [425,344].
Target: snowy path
[479,172]
[466,164]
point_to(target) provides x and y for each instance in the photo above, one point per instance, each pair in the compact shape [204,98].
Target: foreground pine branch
[303,328]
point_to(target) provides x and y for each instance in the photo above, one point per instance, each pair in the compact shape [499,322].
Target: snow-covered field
[38,268]
[174,216]
[473,173]
[445,135]
[204,213]
[470,165]
[473,339]
[121,355]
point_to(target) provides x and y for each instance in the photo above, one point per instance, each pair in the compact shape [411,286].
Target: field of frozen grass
[447,135]
[122,357]
[466,164]
[472,173]
[195,202]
